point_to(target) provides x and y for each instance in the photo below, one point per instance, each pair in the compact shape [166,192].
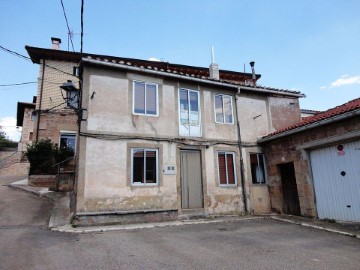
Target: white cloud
[154,59]
[323,87]
[346,80]
[8,125]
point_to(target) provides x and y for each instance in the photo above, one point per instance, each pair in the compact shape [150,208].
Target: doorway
[191,179]
[291,196]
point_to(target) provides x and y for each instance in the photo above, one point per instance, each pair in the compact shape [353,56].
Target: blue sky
[309,46]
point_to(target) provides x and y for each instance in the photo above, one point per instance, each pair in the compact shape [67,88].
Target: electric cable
[67,24]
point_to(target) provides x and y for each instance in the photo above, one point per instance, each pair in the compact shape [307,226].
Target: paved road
[26,243]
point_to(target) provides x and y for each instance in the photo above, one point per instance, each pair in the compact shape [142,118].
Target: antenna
[212,55]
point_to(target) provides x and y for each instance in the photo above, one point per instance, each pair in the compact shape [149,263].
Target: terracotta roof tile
[320,116]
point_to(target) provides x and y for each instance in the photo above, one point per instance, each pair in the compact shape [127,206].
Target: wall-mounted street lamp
[71,95]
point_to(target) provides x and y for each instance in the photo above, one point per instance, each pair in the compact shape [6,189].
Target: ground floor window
[68,140]
[257,168]
[144,166]
[226,168]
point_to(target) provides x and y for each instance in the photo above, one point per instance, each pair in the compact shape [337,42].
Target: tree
[4,142]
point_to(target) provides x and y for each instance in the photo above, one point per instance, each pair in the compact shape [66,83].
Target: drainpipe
[240,151]
[40,101]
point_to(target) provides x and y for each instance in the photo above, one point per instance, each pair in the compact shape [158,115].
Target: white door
[336,177]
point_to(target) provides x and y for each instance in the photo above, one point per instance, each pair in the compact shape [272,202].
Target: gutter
[183,77]
[312,125]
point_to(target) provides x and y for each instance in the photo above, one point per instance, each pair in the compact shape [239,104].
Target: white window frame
[232,109]
[157,99]
[132,167]
[265,171]
[71,133]
[234,165]
[179,112]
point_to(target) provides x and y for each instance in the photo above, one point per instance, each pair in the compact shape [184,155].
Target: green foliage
[4,142]
[43,155]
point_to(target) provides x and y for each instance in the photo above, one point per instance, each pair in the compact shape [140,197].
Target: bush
[43,155]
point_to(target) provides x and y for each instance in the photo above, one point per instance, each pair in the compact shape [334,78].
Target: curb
[23,188]
[84,230]
[304,224]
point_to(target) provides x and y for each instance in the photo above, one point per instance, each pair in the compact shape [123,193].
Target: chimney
[213,68]
[252,65]
[55,43]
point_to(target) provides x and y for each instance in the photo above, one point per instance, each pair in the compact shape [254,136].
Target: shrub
[43,155]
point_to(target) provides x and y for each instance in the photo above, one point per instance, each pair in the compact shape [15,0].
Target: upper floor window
[145,98]
[226,168]
[257,162]
[144,166]
[189,113]
[223,109]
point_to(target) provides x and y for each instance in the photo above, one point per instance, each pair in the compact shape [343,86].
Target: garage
[336,179]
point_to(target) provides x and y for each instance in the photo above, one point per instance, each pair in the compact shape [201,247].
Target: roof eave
[184,77]
[311,125]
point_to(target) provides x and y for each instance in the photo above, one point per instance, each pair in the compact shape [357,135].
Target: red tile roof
[321,116]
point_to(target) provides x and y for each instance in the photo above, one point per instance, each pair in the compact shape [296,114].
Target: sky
[308,46]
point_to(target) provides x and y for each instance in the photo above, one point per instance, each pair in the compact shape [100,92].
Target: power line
[15,53]
[82,25]
[15,84]
[67,24]
[29,59]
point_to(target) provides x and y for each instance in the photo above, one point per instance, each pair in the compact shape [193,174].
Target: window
[257,168]
[189,113]
[145,98]
[226,168]
[144,164]
[223,109]
[68,140]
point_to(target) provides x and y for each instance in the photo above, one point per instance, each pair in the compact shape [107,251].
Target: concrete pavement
[60,217]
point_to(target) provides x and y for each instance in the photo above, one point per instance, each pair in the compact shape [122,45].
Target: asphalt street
[27,243]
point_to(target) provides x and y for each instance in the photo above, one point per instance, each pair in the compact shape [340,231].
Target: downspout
[40,101]
[240,152]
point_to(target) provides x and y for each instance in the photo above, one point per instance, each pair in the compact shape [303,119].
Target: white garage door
[336,176]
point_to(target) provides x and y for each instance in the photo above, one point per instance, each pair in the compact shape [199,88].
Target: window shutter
[219,109]
[222,168]
[139,96]
[227,109]
[151,99]
[230,169]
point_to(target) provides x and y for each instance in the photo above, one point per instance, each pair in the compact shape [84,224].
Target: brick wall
[288,149]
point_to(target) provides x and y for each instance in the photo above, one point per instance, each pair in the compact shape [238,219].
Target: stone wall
[295,148]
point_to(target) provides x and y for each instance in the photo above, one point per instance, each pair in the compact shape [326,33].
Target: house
[314,166]
[24,119]
[156,140]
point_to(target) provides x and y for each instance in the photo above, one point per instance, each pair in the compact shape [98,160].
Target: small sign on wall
[340,150]
[169,169]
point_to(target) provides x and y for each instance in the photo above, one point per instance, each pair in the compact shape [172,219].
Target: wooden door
[291,196]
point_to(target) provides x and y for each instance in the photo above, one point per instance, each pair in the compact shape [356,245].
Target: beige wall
[104,165]
[27,129]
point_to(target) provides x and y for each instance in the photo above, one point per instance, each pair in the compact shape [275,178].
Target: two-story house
[157,140]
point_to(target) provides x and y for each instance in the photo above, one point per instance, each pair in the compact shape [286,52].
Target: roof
[36,54]
[309,111]
[244,85]
[20,112]
[318,119]
[227,77]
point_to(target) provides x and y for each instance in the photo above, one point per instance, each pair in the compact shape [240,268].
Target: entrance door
[190,177]
[291,197]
